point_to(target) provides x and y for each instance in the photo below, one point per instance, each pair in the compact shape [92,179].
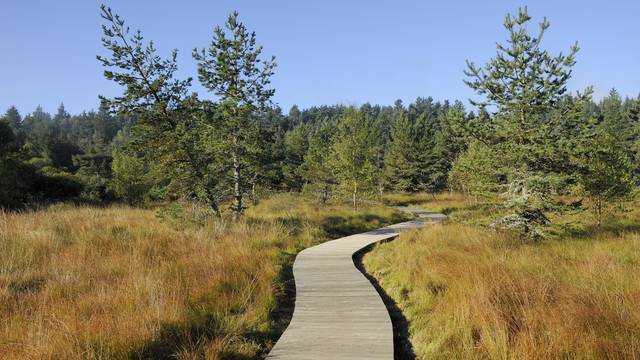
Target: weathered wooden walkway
[338,314]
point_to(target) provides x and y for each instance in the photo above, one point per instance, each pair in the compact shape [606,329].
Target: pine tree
[452,135]
[8,143]
[633,114]
[40,132]
[131,177]
[172,128]
[568,126]
[354,154]
[296,143]
[294,118]
[429,162]
[619,123]
[61,115]
[383,119]
[12,186]
[606,172]
[316,169]
[400,167]
[474,171]
[523,82]
[13,118]
[231,68]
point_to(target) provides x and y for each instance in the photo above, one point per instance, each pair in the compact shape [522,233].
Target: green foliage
[16,183]
[316,169]
[606,173]
[415,158]
[61,154]
[451,137]
[55,184]
[172,128]
[528,140]
[13,190]
[474,172]
[13,118]
[147,78]
[231,68]
[400,163]
[40,131]
[8,143]
[22,183]
[431,166]
[621,121]
[131,177]
[353,155]
[524,83]
[523,80]
[296,144]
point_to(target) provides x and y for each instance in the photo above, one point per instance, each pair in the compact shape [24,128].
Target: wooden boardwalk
[338,314]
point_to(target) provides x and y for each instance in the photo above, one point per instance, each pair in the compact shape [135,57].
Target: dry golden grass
[469,292]
[455,205]
[442,202]
[81,282]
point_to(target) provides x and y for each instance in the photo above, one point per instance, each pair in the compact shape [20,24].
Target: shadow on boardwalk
[282,313]
[402,349]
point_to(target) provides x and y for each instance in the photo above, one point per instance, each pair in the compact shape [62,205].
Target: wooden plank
[338,314]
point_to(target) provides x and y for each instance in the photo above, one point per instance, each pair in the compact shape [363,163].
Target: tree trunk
[237,190]
[213,204]
[355,197]
[254,197]
[522,125]
[214,207]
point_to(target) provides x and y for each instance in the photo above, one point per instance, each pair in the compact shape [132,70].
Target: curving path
[338,314]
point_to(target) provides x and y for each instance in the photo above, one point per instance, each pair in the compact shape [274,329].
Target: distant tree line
[48,158]
[527,139]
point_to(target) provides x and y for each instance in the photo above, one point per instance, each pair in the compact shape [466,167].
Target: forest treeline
[527,140]
[86,156]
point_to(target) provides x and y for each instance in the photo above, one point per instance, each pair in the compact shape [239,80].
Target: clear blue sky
[327,51]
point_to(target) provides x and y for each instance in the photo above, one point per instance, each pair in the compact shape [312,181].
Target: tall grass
[82,282]
[455,205]
[468,292]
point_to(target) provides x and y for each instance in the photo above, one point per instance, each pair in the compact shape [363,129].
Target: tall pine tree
[231,68]
[354,155]
[522,82]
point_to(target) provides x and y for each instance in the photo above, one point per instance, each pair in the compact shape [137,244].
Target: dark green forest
[528,139]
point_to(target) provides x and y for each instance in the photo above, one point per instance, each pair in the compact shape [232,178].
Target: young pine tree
[231,68]
[296,143]
[13,118]
[430,163]
[170,128]
[523,82]
[354,155]
[131,177]
[400,167]
[606,172]
[316,169]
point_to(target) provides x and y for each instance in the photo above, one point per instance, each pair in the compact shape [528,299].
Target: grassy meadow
[469,292]
[122,282]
